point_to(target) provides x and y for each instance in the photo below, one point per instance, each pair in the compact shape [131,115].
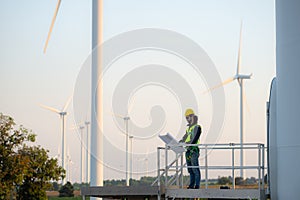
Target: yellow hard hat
[188,112]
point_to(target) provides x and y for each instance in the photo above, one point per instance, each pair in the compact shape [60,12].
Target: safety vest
[190,131]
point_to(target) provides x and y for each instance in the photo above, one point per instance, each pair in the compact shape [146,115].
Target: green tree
[67,190]
[224,180]
[239,181]
[55,186]
[12,166]
[40,171]
[24,169]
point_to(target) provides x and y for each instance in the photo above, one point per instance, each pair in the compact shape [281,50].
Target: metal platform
[215,193]
[121,192]
[169,183]
[152,192]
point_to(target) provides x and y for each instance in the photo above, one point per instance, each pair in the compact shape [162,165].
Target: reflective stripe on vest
[190,131]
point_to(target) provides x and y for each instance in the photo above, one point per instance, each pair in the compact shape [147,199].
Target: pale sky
[29,77]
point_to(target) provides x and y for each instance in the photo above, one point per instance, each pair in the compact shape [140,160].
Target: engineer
[192,136]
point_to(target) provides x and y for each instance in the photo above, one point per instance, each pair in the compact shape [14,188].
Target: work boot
[197,187]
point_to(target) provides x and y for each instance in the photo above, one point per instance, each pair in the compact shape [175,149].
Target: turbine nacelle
[63,113]
[126,118]
[242,76]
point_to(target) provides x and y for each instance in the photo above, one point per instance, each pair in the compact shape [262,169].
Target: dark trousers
[192,161]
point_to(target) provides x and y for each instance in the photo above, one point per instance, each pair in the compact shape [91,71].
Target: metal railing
[165,180]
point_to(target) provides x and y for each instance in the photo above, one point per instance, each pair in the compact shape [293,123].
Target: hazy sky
[29,77]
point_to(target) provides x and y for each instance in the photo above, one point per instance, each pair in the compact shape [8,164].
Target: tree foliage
[239,181]
[224,180]
[67,190]
[24,168]
[41,169]
[12,166]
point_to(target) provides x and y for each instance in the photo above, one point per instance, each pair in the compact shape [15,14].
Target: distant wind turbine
[62,113]
[57,156]
[240,79]
[70,162]
[96,115]
[131,156]
[80,127]
[126,118]
[146,162]
[87,123]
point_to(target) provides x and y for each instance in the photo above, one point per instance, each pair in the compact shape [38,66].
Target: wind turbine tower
[87,152]
[96,109]
[81,154]
[240,79]
[62,115]
[126,120]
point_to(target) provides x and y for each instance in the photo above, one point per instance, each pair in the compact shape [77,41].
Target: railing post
[206,168]
[166,166]
[181,170]
[259,166]
[233,166]
[177,174]
[263,166]
[158,173]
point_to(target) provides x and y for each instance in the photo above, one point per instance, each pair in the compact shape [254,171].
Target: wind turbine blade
[77,126]
[220,85]
[58,151]
[74,128]
[239,51]
[117,115]
[130,106]
[147,153]
[50,108]
[67,104]
[52,24]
